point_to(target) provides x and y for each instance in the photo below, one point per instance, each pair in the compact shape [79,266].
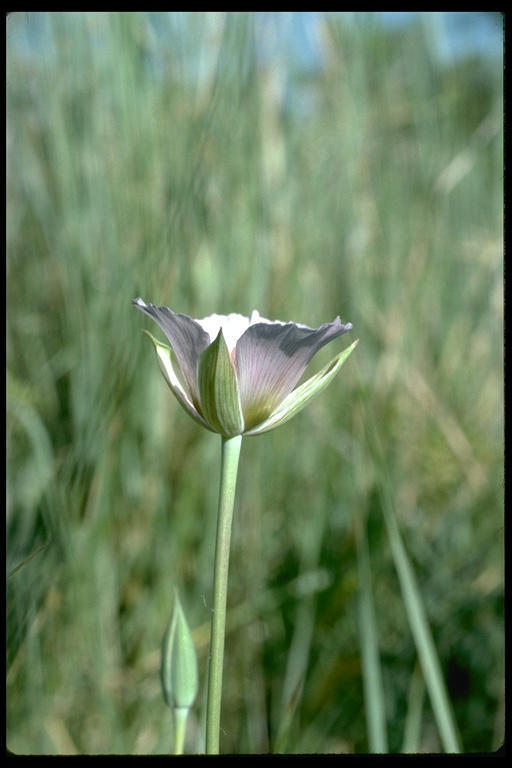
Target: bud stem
[180,715]
[229,467]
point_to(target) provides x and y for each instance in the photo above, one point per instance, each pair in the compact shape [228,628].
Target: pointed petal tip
[345,326]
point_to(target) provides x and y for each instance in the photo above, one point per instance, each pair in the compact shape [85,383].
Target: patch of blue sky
[451,34]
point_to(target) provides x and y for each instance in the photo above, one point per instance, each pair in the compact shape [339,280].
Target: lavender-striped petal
[187,338]
[300,397]
[271,358]
[164,357]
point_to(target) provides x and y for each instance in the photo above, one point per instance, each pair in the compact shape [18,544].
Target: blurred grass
[159,155]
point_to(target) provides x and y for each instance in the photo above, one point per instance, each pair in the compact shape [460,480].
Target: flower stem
[180,723]
[229,467]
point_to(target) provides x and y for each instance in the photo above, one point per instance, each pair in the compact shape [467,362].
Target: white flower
[238,373]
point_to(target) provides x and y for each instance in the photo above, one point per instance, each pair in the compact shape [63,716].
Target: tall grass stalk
[413,721]
[413,602]
[422,635]
[374,693]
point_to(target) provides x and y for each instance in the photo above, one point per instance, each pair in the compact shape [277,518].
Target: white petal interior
[234,325]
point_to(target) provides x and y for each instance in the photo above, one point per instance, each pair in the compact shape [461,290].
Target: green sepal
[178,669]
[218,389]
[301,396]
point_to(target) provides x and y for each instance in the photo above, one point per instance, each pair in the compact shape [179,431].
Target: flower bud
[179,663]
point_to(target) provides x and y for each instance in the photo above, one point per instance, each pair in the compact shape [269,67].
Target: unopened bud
[179,663]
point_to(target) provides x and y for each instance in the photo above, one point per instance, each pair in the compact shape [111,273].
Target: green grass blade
[420,629]
[372,678]
[413,602]
[415,699]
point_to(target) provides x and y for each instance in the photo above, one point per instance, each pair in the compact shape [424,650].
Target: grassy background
[162,155]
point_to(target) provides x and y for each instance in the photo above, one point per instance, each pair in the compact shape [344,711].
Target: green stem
[180,725]
[229,467]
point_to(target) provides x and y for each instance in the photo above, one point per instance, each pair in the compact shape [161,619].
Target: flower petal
[218,388]
[271,358]
[187,339]
[163,354]
[297,399]
[232,325]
